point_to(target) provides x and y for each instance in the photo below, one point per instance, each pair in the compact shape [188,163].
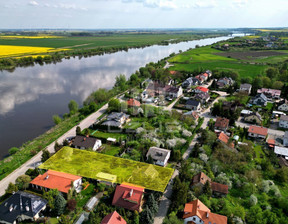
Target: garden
[90,164]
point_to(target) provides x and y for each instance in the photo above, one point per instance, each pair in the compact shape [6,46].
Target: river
[30,96]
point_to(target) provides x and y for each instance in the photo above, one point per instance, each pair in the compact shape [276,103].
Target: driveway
[37,158]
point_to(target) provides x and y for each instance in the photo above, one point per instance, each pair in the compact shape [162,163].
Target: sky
[130,14]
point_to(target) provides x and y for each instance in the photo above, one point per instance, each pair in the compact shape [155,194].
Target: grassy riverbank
[29,149]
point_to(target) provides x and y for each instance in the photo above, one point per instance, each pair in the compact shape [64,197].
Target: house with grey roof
[193,105]
[260,100]
[159,155]
[245,88]
[21,206]
[254,118]
[283,123]
[84,142]
[202,97]
[116,119]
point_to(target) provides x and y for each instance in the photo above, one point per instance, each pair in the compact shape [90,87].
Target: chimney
[47,177]
[207,214]
[131,193]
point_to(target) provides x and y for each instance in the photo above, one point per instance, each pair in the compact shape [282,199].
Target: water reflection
[30,96]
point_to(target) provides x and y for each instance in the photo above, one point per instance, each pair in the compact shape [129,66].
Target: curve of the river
[30,96]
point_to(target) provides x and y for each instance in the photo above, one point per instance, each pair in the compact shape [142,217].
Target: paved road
[165,201]
[37,158]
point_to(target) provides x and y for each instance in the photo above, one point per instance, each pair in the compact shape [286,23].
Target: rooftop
[284,118]
[113,218]
[203,89]
[221,122]
[158,153]
[258,130]
[83,141]
[197,208]
[128,196]
[21,204]
[281,151]
[133,103]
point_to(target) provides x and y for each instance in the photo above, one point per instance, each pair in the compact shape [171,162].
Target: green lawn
[100,134]
[259,153]
[90,164]
[111,150]
[133,125]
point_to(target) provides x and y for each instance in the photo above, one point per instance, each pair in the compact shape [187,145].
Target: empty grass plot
[99,166]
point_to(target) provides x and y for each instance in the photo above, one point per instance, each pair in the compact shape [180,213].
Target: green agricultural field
[244,70]
[247,64]
[90,164]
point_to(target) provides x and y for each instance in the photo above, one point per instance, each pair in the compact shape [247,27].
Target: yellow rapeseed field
[268,30]
[28,37]
[14,51]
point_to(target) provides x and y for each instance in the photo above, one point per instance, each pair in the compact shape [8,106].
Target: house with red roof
[129,197]
[218,189]
[201,89]
[133,103]
[221,123]
[257,132]
[113,218]
[57,180]
[271,143]
[225,139]
[195,212]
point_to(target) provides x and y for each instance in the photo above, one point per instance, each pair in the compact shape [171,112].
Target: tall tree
[45,155]
[73,106]
[22,182]
[11,188]
[59,204]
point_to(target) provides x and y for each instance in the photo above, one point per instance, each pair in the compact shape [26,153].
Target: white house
[84,142]
[195,212]
[283,121]
[281,151]
[257,132]
[159,155]
[245,88]
[57,180]
[193,105]
[285,139]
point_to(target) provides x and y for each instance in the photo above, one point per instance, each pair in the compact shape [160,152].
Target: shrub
[13,150]
[253,200]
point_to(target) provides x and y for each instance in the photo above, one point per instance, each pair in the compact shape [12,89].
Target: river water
[30,96]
